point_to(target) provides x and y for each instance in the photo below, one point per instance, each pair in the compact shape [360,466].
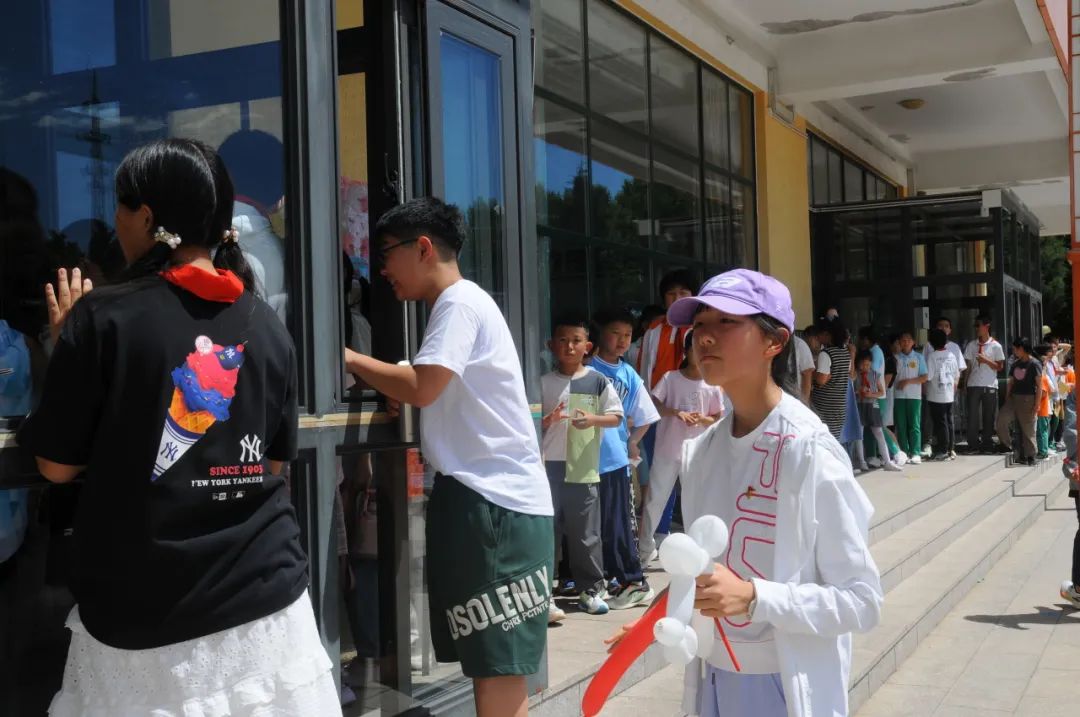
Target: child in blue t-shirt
[619,448]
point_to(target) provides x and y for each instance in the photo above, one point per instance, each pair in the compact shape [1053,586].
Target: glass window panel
[675,198]
[560,57]
[674,90]
[95,22]
[853,182]
[743,226]
[718,220]
[891,192]
[62,136]
[620,198]
[620,279]
[473,158]
[714,106]
[836,182]
[741,122]
[617,66]
[560,157]
[190,27]
[569,278]
[819,158]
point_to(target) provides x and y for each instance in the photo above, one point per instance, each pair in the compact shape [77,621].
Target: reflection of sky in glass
[556,166]
[609,177]
[471,127]
[83,34]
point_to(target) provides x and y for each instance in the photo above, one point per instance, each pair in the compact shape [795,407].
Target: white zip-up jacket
[825,584]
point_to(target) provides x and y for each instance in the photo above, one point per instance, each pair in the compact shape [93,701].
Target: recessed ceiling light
[912,103]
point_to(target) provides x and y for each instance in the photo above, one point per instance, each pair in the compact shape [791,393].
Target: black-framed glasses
[383,251]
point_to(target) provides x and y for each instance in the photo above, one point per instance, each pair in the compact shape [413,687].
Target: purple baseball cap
[741,292]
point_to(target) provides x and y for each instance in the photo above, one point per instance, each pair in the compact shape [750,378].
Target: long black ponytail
[188,190]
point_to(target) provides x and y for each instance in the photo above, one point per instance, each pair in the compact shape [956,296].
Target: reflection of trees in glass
[481,256]
[616,218]
[565,209]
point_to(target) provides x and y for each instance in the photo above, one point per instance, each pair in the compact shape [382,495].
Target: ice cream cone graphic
[204,387]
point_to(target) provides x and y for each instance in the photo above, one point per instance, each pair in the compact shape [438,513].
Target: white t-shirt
[983,376]
[683,394]
[555,388]
[824,363]
[804,357]
[943,374]
[480,429]
[950,346]
[742,491]
[910,365]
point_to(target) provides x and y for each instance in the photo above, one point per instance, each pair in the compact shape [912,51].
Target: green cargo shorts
[489,582]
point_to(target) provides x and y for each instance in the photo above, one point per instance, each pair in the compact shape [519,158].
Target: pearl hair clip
[231,235]
[166,237]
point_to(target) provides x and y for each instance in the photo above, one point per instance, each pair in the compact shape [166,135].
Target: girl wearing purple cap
[798,577]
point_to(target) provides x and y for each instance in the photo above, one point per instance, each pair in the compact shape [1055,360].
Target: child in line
[911,374]
[1023,394]
[1042,428]
[870,388]
[578,404]
[687,407]
[943,376]
[619,447]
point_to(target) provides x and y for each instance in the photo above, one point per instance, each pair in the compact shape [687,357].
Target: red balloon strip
[622,656]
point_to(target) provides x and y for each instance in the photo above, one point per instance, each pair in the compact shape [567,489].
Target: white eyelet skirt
[272,667]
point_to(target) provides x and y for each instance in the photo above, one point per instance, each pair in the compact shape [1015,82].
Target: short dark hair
[906,332]
[1051,339]
[425,216]
[570,320]
[869,333]
[946,319]
[613,315]
[679,277]
[1022,343]
[938,339]
[838,333]
[1043,350]
[983,319]
[863,355]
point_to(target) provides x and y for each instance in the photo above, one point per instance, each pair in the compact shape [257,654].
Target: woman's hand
[723,593]
[615,639]
[59,301]
[687,417]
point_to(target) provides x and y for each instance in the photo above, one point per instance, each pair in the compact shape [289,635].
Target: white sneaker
[893,467]
[631,596]
[592,603]
[646,559]
[1069,592]
[900,458]
[555,613]
[915,460]
[874,462]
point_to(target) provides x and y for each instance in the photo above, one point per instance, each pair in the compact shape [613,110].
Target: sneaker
[915,460]
[612,588]
[900,458]
[893,467]
[632,595]
[1042,456]
[555,613]
[952,455]
[874,462]
[939,457]
[1069,593]
[646,559]
[864,468]
[566,588]
[592,603]
[1002,449]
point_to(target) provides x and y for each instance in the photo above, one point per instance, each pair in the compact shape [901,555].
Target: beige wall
[783,206]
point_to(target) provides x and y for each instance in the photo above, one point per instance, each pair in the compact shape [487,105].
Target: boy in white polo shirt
[911,374]
[489,518]
[986,359]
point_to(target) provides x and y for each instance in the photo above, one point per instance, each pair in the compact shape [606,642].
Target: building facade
[593,145]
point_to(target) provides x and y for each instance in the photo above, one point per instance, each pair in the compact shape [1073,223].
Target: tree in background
[1057,285]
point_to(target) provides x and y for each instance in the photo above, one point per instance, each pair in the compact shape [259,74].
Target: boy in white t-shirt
[579,403]
[489,517]
[985,359]
[943,376]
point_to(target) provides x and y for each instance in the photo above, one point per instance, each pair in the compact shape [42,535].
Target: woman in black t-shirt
[175,392]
